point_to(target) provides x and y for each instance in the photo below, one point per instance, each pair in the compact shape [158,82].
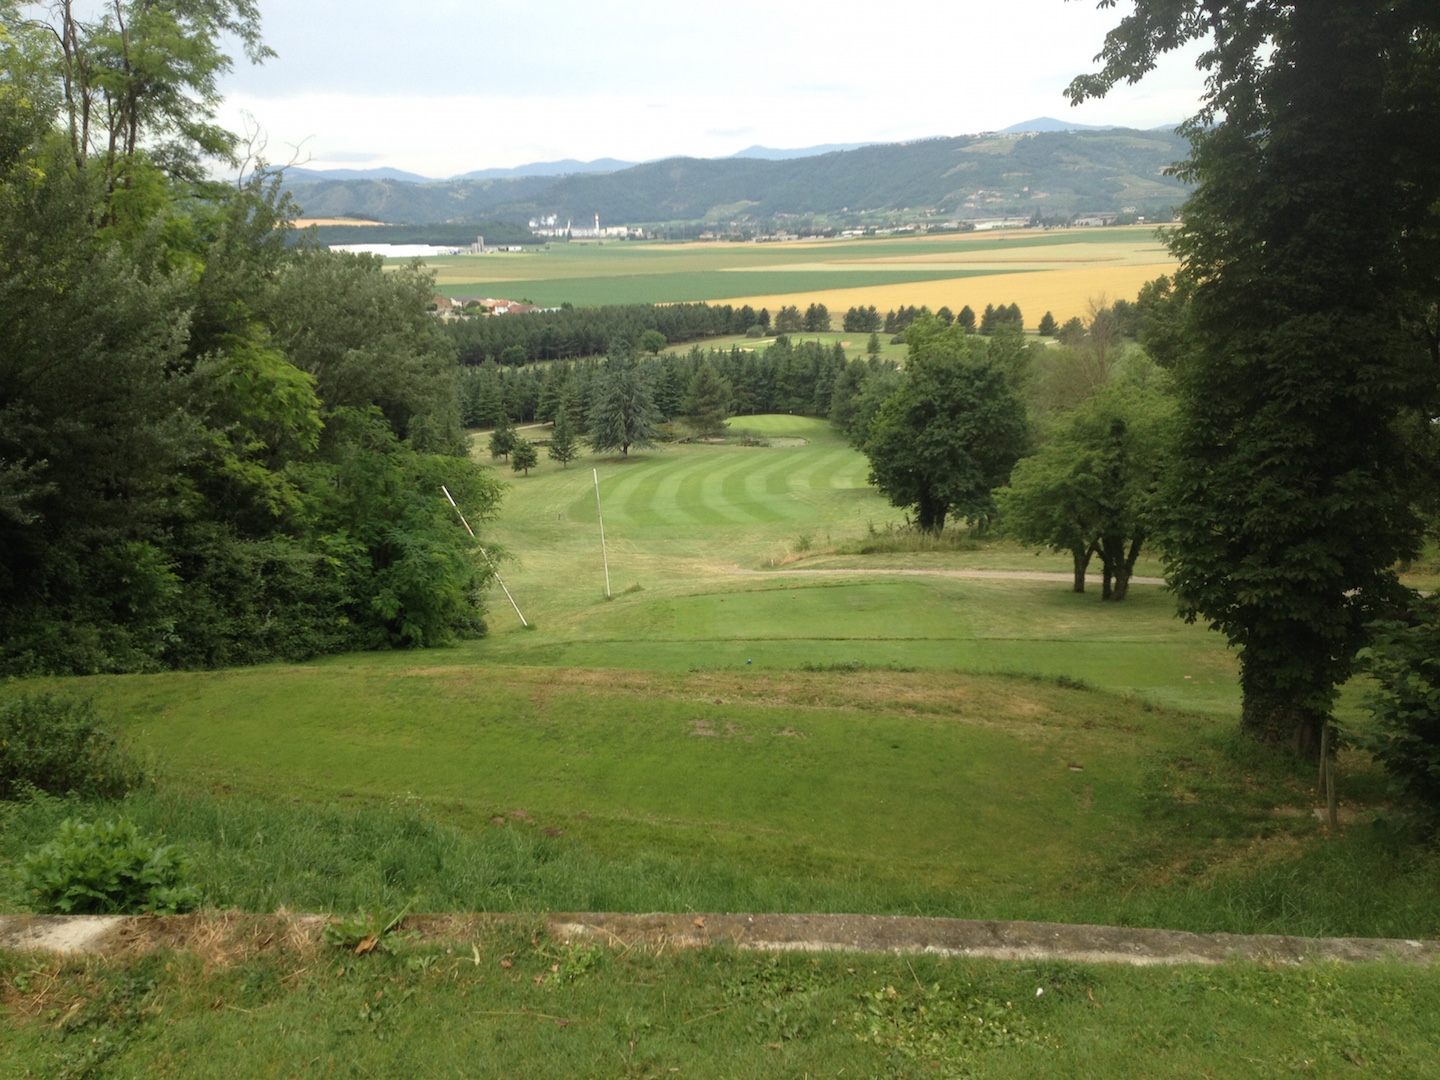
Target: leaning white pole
[603,553]
[483,552]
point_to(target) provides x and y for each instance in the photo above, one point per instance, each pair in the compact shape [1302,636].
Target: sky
[446,87]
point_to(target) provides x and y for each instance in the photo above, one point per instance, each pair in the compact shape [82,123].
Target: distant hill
[1054,174]
[1047,123]
[448,234]
[299,172]
[548,168]
[765,153]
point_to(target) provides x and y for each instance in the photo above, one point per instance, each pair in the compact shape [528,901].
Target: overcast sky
[446,87]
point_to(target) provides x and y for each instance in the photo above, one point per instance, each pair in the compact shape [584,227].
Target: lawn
[1060,271]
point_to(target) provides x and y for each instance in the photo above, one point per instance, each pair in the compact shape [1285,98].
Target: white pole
[471,531]
[603,553]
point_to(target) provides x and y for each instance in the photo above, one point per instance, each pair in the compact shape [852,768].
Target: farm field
[1058,271]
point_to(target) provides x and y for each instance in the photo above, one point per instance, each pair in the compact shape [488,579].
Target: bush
[57,745]
[106,868]
[756,331]
[1404,659]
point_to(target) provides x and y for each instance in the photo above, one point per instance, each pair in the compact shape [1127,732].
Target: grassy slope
[668,774]
[680,753]
[564,1011]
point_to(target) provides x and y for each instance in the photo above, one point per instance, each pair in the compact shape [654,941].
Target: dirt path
[223,933]
[974,575]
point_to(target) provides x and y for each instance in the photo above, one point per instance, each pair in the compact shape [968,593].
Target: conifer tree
[502,439]
[564,447]
[524,456]
[707,403]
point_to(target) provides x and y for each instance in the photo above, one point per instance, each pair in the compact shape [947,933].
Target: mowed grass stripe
[723,490]
[738,489]
[701,490]
[772,483]
[842,468]
[633,495]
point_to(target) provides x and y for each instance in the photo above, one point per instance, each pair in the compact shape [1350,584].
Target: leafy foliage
[940,1026]
[215,448]
[1091,489]
[59,746]
[1309,280]
[952,431]
[1404,660]
[106,868]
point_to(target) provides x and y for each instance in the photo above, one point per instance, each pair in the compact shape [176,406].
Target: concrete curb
[998,940]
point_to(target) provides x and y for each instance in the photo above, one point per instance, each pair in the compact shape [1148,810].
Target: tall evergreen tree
[564,446]
[707,402]
[622,414]
[503,438]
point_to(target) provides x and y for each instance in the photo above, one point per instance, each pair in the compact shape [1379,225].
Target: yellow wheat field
[1063,293]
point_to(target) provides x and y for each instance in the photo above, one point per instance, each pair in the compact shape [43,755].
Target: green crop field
[1059,271]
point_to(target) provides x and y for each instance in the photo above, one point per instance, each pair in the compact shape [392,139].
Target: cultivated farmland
[1059,271]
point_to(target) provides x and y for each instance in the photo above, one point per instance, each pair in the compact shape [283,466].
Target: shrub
[756,331]
[57,745]
[106,868]
[1404,659]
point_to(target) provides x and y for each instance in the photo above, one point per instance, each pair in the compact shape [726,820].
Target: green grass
[699,527]
[854,341]
[723,734]
[566,1010]
[662,286]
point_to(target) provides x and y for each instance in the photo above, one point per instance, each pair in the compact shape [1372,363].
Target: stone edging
[999,940]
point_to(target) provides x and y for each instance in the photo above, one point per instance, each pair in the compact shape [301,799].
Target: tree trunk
[931,514]
[1127,567]
[1082,561]
[1271,716]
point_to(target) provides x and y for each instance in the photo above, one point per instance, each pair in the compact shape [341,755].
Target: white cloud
[450,87]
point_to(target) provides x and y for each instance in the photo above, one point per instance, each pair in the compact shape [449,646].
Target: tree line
[570,333]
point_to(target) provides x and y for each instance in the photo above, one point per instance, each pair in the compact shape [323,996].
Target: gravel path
[974,575]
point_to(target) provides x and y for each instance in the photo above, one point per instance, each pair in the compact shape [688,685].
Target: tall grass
[256,855]
[909,538]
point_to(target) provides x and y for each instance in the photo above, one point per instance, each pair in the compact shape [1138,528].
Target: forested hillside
[1053,174]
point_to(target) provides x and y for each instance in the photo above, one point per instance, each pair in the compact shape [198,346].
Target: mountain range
[1055,173]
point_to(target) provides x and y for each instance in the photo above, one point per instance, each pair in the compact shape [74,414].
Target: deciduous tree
[1310,255]
[951,433]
